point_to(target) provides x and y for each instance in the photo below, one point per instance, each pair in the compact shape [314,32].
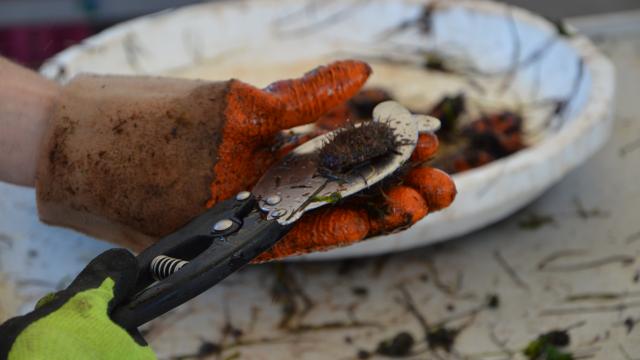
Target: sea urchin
[355,145]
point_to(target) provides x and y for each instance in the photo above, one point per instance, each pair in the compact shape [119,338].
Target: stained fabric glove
[130,159]
[133,159]
[74,323]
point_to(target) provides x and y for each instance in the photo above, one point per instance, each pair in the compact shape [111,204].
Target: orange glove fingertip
[404,206]
[426,147]
[320,90]
[435,186]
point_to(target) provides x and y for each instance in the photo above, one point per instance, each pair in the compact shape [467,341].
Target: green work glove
[75,323]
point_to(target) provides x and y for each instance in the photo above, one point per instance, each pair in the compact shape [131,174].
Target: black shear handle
[212,255]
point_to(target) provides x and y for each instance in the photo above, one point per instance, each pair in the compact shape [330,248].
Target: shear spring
[163,266]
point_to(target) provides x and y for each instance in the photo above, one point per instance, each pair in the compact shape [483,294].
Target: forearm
[26,100]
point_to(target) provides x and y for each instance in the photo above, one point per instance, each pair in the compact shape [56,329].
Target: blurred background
[33,30]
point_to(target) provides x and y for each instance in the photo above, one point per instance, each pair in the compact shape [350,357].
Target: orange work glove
[131,159]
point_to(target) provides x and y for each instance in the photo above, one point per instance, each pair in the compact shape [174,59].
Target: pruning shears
[228,236]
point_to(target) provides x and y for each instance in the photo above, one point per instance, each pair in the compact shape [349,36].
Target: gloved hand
[131,159]
[74,323]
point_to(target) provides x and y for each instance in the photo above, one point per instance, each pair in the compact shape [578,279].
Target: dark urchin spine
[354,146]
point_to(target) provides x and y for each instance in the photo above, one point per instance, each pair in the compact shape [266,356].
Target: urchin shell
[354,146]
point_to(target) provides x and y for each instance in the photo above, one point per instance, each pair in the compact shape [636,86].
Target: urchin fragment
[356,145]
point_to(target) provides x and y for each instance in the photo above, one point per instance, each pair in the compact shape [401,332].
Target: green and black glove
[74,323]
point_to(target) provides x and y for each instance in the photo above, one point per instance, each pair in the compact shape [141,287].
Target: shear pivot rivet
[278,213]
[243,195]
[222,225]
[273,200]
